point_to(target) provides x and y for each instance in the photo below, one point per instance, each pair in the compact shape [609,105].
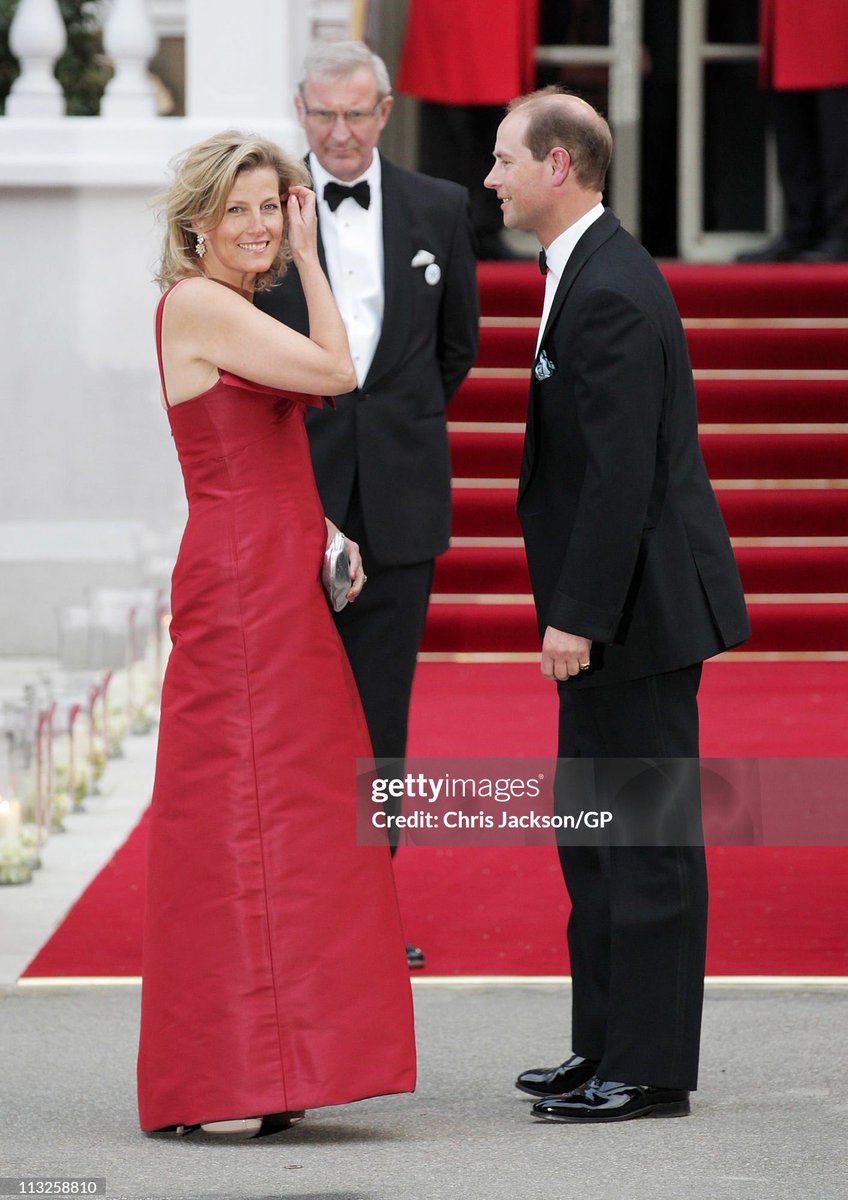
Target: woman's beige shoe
[237,1131]
[244,1128]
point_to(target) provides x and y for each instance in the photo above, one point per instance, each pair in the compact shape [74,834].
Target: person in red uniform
[464,66]
[805,64]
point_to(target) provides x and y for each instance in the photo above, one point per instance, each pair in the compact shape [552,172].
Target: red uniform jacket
[469,51]
[805,43]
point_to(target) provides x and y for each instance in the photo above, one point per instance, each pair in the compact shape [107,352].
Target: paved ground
[768,1123]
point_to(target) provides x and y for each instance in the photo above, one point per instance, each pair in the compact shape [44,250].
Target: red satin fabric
[804,43]
[273,963]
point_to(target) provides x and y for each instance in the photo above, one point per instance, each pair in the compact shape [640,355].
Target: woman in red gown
[274,972]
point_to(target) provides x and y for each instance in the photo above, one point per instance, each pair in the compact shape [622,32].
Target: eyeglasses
[328,116]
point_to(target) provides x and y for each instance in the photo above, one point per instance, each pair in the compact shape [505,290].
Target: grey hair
[343,58]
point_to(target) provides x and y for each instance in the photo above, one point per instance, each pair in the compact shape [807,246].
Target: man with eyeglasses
[398,250]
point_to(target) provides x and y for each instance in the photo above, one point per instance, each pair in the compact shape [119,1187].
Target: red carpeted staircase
[769,348]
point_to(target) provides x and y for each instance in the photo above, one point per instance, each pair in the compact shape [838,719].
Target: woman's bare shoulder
[196,294]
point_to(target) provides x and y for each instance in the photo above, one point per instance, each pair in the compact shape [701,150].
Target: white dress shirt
[353,246]
[557,256]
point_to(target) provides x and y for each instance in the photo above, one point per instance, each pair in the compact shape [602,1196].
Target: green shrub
[81,70]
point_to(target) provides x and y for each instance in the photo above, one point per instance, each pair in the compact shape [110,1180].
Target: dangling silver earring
[200,245]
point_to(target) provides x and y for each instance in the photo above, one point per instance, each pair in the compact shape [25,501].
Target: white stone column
[243,60]
[130,40]
[37,38]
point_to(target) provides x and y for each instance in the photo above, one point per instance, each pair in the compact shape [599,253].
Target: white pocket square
[423,259]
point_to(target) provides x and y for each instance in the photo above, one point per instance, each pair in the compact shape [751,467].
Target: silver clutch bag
[335,573]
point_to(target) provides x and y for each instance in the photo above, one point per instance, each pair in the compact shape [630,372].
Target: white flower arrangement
[143,718]
[31,837]
[14,862]
[62,781]
[61,808]
[117,731]
[19,855]
[98,759]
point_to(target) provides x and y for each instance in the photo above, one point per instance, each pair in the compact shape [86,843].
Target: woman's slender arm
[208,325]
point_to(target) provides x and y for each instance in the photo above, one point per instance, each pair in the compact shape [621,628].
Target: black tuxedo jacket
[624,538]
[390,435]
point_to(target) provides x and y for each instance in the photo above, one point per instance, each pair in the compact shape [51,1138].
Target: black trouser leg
[381,632]
[799,164]
[637,931]
[833,139]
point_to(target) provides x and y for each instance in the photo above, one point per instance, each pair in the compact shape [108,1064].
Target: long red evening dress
[274,972]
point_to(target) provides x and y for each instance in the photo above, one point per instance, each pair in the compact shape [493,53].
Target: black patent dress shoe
[603,1100]
[832,249]
[556,1081]
[781,249]
[414,957]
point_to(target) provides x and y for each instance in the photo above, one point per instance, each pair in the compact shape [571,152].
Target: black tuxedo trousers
[638,925]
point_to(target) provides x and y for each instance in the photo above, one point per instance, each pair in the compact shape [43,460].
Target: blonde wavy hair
[204,176]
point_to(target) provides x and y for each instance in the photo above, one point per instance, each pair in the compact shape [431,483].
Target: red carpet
[497,455]
[801,512]
[774,910]
[777,451]
[785,401]
[742,349]
[771,290]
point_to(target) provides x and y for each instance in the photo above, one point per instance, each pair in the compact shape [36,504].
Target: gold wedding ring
[584,666]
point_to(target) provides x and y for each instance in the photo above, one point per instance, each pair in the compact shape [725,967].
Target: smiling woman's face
[247,239]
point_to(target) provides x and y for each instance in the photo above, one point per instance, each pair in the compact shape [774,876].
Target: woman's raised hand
[302,222]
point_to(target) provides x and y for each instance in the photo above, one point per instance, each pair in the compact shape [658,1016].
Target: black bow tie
[334,193]
[543,262]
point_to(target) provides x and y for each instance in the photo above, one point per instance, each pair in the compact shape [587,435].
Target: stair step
[748,512]
[722,290]
[782,401]
[782,483]
[775,455]
[751,290]
[800,570]
[511,628]
[484,512]
[779,401]
[777,349]
[795,512]
[727,349]
[483,399]
[497,455]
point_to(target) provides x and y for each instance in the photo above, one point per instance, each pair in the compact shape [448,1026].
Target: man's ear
[560,165]
[299,107]
[386,105]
